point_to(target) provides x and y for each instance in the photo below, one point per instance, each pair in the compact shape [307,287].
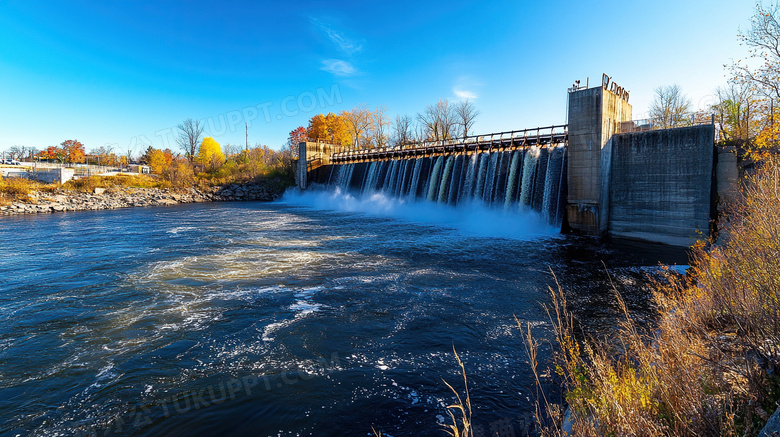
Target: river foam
[473,219]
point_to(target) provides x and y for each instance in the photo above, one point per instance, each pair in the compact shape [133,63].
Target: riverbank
[709,368]
[61,200]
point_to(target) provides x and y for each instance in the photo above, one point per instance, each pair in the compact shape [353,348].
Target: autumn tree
[73,151]
[318,128]
[670,107]
[465,116]
[190,132]
[297,136]
[179,173]
[52,153]
[156,160]
[210,154]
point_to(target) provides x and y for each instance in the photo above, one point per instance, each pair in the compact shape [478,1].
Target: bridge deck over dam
[503,141]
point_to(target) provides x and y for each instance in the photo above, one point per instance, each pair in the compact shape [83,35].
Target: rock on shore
[115,198]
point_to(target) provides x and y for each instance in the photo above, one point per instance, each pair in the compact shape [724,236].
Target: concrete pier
[595,115]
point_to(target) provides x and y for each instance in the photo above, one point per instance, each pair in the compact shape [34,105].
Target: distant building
[141,169]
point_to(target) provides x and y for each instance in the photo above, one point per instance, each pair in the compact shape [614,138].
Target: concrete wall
[59,175]
[659,185]
[594,116]
[727,176]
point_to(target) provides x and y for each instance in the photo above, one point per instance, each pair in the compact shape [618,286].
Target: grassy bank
[710,369]
[25,190]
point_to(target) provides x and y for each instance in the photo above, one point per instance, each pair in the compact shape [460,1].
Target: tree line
[364,128]
[746,107]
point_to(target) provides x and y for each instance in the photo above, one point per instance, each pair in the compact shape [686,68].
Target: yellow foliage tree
[331,128]
[338,130]
[210,154]
[318,128]
[157,161]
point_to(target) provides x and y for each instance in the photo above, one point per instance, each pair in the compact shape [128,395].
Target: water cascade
[532,179]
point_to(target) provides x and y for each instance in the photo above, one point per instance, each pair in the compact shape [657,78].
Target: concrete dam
[601,175]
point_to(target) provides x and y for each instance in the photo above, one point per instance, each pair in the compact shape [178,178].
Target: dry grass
[710,368]
[20,189]
[88,185]
[460,412]
[24,190]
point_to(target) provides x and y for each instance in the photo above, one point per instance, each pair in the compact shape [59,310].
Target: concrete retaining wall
[59,175]
[658,184]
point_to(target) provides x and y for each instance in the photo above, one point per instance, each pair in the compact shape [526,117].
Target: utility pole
[246,126]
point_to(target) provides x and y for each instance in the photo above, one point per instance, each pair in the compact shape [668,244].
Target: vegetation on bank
[208,167]
[711,367]
[20,189]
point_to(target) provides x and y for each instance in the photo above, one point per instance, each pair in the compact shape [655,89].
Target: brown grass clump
[88,185]
[20,189]
[711,367]
[460,412]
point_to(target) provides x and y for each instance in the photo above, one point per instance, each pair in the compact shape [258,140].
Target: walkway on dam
[510,140]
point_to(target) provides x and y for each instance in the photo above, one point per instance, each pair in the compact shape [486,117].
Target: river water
[322,314]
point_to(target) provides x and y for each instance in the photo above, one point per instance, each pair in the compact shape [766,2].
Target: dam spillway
[525,180]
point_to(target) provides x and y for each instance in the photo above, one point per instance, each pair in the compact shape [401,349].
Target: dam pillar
[595,114]
[302,168]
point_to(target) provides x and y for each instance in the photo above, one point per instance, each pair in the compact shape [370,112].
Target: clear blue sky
[126,73]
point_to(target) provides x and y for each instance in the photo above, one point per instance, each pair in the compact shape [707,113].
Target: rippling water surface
[319,315]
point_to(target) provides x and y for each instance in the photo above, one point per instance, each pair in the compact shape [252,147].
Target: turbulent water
[324,314]
[523,180]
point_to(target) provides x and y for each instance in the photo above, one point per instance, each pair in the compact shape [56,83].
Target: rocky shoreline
[115,198]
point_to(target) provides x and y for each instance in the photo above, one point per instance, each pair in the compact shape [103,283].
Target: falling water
[527,180]
[445,179]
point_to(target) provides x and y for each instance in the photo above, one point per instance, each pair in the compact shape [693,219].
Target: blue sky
[125,74]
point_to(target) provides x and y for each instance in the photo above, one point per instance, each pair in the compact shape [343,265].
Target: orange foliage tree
[73,150]
[52,153]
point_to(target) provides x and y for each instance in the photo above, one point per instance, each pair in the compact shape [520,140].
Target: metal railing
[508,139]
[649,124]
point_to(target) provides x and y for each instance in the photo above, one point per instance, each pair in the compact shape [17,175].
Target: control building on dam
[601,175]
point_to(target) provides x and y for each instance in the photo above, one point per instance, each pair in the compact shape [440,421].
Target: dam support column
[595,114]
[302,168]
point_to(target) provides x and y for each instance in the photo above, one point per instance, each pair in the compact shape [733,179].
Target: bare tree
[15,152]
[465,115]
[403,130]
[736,109]
[670,107]
[381,126]
[438,121]
[190,132]
[30,152]
[359,122]
[763,41]
[231,149]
